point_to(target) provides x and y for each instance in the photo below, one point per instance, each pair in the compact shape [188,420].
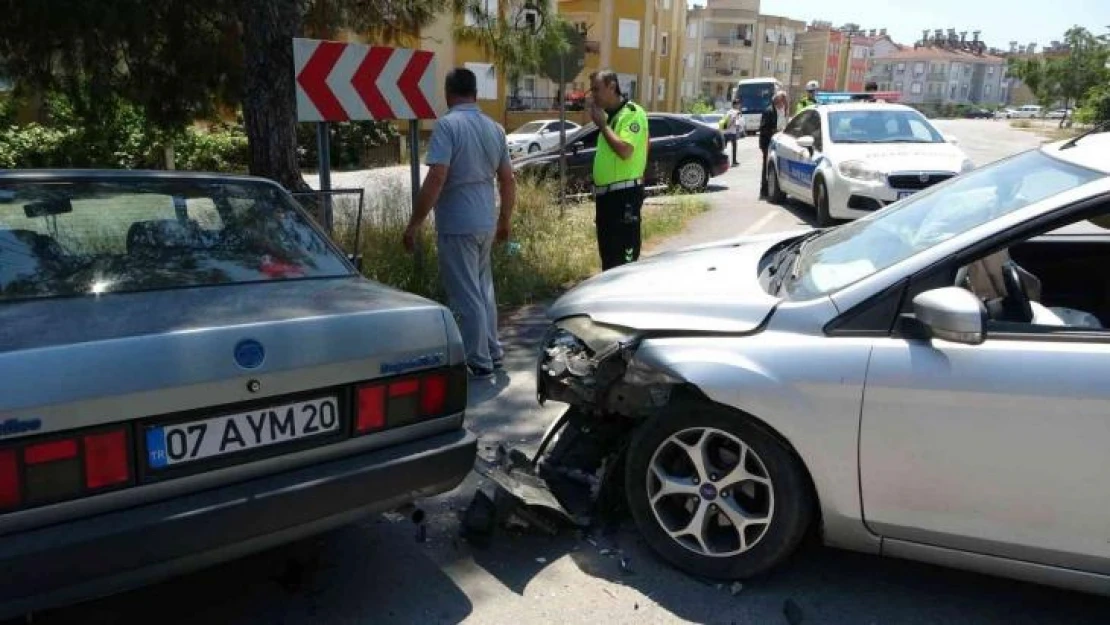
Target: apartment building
[943,68]
[838,58]
[639,39]
[727,40]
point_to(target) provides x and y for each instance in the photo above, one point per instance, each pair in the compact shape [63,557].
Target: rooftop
[935,52]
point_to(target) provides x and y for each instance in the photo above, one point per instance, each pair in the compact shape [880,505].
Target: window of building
[990,70]
[661,89]
[489,13]
[628,35]
[664,45]
[692,30]
[666,5]
[919,68]
[768,64]
[651,39]
[915,88]
[901,67]
[771,35]
[987,91]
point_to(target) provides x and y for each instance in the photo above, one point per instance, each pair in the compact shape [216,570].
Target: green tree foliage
[178,60]
[507,38]
[1069,78]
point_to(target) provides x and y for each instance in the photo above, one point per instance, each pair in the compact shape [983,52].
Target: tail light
[47,471]
[404,401]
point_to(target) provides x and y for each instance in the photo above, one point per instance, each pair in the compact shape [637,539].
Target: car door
[794,163]
[664,136]
[549,135]
[1000,448]
[580,160]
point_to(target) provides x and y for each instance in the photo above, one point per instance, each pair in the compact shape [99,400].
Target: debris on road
[736,588]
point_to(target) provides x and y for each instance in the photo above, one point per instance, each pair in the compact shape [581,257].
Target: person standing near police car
[618,172]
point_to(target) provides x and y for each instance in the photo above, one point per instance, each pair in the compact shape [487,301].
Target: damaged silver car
[885,384]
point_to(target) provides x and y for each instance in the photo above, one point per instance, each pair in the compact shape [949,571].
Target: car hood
[891,157]
[711,288]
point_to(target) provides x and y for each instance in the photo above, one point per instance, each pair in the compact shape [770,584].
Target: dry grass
[549,253]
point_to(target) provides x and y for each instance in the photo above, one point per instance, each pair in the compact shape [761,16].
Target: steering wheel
[1016,306]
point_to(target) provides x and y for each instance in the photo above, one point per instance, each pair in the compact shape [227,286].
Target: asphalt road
[378,572]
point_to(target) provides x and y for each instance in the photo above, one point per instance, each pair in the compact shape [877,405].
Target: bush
[221,149]
[551,251]
[1096,106]
[349,141]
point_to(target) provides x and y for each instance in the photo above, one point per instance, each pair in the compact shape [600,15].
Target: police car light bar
[838,97]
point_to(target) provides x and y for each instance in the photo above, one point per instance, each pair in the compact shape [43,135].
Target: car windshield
[881,126]
[66,238]
[530,128]
[854,251]
[755,97]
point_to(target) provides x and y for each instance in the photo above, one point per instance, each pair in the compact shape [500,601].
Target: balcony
[724,71]
[729,42]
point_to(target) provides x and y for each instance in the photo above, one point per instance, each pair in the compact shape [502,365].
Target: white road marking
[758,225]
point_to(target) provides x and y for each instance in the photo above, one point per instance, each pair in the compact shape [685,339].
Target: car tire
[773,497]
[692,176]
[532,149]
[775,194]
[821,203]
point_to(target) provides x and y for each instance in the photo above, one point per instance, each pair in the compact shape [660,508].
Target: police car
[848,158]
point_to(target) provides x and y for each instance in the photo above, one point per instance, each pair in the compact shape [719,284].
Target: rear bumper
[121,550]
[720,164]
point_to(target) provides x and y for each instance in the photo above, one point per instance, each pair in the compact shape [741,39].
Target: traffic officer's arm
[620,145]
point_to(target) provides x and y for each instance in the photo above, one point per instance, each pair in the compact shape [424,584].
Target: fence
[346,211]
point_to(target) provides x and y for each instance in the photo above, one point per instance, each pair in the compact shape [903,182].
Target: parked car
[1058,114]
[1028,111]
[535,136]
[979,113]
[681,153]
[927,382]
[192,371]
[713,120]
[849,160]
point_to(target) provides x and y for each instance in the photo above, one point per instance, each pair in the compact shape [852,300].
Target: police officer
[618,174]
[809,99]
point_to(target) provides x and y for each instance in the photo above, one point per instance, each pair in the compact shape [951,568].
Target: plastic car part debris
[479,520]
[736,588]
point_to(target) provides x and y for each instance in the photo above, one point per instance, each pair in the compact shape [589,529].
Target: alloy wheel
[710,492]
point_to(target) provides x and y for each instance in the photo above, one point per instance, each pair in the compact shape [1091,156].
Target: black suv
[681,153]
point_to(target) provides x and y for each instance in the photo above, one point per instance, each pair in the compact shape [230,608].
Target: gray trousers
[467,276]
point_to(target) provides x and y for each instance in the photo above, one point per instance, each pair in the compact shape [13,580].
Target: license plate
[172,445]
[902,194]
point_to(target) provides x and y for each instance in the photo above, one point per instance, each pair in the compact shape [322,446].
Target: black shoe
[498,364]
[479,373]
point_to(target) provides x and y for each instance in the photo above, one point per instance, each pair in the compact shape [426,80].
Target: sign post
[338,82]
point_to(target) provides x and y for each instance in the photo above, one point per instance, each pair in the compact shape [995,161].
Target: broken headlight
[572,353]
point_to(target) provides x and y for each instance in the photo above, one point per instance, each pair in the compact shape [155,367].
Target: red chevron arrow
[408,84]
[313,79]
[365,82]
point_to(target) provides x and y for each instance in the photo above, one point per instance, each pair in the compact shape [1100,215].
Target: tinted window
[659,127]
[79,238]
[810,124]
[755,97]
[794,126]
[681,127]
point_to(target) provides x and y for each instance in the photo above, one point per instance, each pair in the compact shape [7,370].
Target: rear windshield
[60,238]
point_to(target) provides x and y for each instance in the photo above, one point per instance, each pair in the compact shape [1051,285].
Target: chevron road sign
[338,82]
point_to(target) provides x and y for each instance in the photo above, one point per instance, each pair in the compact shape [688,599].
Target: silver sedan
[928,382]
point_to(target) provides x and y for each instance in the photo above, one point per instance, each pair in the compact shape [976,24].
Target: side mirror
[576,146]
[806,142]
[952,314]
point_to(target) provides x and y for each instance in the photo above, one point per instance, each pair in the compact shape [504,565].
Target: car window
[66,238]
[794,126]
[530,128]
[681,127]
[845,254]
[881,126]
[658,127]
[810,124]
[587,138]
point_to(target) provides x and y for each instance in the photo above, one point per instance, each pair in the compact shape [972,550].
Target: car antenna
[1100,127]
